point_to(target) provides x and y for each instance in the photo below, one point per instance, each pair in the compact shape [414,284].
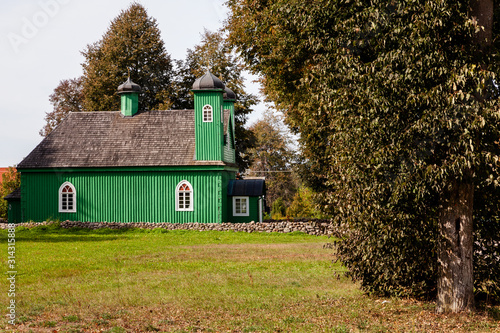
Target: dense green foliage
[303,205]
[393,104]
[278,209]
[214,53]
[132,42]
[487,259]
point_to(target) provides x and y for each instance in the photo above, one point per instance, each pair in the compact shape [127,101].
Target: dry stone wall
[315,227]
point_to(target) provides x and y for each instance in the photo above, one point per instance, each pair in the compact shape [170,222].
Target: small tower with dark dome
[129,92]
[209,117]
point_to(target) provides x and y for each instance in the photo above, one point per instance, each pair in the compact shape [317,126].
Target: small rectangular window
[240,206]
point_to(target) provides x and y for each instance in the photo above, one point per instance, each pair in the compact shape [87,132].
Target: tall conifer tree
[132,43]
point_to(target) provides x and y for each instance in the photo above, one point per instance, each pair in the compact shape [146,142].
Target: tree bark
[455,280]
[482,12]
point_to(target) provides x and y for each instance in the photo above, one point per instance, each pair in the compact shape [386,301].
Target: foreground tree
[397,107]
[132,42]
[66,98]
[214,53]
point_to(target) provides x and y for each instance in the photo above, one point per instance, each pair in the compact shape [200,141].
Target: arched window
[184,196]
[67,198]
[207,114]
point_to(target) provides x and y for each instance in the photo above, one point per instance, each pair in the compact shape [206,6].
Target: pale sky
[40,44]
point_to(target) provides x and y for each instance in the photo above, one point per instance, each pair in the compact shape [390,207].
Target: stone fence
[314,227]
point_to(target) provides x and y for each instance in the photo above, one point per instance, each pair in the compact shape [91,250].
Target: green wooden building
[141,166]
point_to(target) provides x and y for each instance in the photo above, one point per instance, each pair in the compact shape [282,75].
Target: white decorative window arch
[207,113]
[67,198]
[184,197]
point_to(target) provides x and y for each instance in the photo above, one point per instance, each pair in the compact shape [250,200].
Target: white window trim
[247,200]
[191,193]
[60,195]
[211,113]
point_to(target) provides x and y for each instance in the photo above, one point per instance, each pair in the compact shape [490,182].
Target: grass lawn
[190,281]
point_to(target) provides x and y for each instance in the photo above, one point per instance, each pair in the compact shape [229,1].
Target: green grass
[189,281]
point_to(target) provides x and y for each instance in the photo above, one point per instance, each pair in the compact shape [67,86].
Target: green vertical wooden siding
[229,151]
[129,104]
[229,105]
[224,198]
[209,135]
[14,211]
[125,196]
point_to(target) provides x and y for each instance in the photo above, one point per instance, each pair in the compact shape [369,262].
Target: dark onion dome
[229,94]
[128,87]
[208,81]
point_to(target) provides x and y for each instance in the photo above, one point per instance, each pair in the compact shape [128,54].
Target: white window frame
[208,113]
[61,196]
[247,206]
[177,196]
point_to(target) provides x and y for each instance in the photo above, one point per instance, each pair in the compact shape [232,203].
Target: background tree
[303,205]
[273,157]
[397,111]
[11,180]
[132,42]
[66,98]
[214,53]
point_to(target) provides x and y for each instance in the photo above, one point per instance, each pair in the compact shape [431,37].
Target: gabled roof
[246,187]
[107,139]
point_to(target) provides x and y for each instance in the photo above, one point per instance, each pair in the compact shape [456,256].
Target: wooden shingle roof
[108,139]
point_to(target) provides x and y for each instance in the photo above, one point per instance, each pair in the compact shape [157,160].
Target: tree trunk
[455,280]
[482,12]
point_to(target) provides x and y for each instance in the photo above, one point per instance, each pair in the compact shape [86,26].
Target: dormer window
[67,198]
[207,113]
